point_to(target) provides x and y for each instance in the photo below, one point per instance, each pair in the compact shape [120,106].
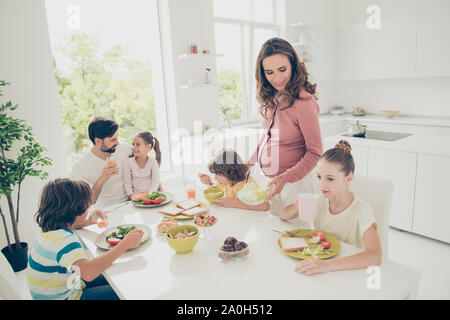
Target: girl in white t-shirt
[141,172]
[341,213]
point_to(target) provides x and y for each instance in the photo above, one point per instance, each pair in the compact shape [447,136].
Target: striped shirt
[49,273]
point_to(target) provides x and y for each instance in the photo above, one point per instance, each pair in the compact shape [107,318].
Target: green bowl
[182,245]
[213,193]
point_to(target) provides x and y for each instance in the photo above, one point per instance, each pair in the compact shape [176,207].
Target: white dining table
[156,271]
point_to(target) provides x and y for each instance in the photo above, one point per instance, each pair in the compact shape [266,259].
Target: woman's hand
[205,179]
[313,266]
[277,185]
[228,202]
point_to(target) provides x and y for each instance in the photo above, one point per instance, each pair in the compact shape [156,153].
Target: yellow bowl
[390,113]
[182,245]
[213,193]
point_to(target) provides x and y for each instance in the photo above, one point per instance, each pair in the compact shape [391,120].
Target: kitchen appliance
[380,135]
[356,129]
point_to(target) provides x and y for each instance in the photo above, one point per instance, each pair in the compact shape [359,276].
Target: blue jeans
[98,289]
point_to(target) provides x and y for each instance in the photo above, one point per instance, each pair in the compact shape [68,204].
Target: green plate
[180,216]
[306,234]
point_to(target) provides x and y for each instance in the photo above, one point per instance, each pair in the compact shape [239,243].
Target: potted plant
[13,172]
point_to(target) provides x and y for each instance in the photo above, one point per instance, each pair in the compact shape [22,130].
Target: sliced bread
[188,204]
[170,211]
[192,212]
[292,244]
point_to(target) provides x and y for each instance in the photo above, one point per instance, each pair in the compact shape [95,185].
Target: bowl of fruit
[233,250]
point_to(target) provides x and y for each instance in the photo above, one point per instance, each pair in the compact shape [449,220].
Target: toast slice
[188,204]
[171,211]
[192,212]
[289,244]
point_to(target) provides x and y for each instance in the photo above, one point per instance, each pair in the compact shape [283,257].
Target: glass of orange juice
[191,193]
[102,223]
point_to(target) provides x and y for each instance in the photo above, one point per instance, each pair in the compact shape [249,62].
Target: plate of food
[112,236]
[184,210]
[307,244]
[252,194]
[151,200]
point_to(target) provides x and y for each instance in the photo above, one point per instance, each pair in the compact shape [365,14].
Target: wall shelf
[198,55]
[199,85]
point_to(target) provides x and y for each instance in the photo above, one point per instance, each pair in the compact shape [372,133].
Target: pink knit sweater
[294,143]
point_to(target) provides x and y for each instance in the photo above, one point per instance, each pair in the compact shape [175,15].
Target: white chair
[378,194]
[9,285]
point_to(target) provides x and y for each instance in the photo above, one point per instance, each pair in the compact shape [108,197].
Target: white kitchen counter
[420,143]
[399,119]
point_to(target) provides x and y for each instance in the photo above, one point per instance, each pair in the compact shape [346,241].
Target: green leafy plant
[13,171]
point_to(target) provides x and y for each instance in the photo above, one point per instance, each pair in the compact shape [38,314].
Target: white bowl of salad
[252,194]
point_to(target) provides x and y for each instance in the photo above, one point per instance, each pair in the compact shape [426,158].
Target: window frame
[247,65]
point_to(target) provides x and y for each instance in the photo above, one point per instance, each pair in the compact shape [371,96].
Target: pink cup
[307,206]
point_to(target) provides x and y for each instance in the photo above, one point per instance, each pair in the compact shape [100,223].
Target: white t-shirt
[90,167]
[349,226]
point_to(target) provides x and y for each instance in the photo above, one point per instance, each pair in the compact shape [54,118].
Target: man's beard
[110,150]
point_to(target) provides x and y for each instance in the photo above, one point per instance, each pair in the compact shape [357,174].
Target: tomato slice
[325,244]
[113,241]
[147,201]
[157,200]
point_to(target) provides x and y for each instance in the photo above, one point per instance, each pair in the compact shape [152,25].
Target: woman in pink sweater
[292,145]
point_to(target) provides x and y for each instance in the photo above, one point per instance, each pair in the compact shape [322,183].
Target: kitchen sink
[380,135]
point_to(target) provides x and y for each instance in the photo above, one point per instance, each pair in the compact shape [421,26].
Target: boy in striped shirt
[57,257]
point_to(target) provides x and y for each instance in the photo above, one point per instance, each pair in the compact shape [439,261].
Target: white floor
[430,257]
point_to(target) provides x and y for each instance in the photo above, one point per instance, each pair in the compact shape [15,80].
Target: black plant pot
[17,257]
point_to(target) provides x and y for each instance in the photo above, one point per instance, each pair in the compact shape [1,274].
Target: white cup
[307,206]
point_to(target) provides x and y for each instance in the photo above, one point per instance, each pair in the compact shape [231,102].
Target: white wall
[25,62]
[192,22]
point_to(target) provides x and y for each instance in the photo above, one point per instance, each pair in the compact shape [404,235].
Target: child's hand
[289,212]
[205,179]
[132,239]
[312,266]
[228,202]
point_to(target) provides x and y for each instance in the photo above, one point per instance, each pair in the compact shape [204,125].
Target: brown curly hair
[62,200]
[230,165]
[265,92]
[341,154]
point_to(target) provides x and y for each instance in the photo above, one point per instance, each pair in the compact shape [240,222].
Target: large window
[241,27]
[107,59]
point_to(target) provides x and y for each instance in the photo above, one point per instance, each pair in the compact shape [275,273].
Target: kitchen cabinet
[385,53]
[355,48]
[431,210]
[395,48]
[400,167]
[431,130]
[433,43]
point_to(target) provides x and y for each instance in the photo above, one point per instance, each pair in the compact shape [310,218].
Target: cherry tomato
[113,241]
[319,234]
[325,244]
[157,200]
